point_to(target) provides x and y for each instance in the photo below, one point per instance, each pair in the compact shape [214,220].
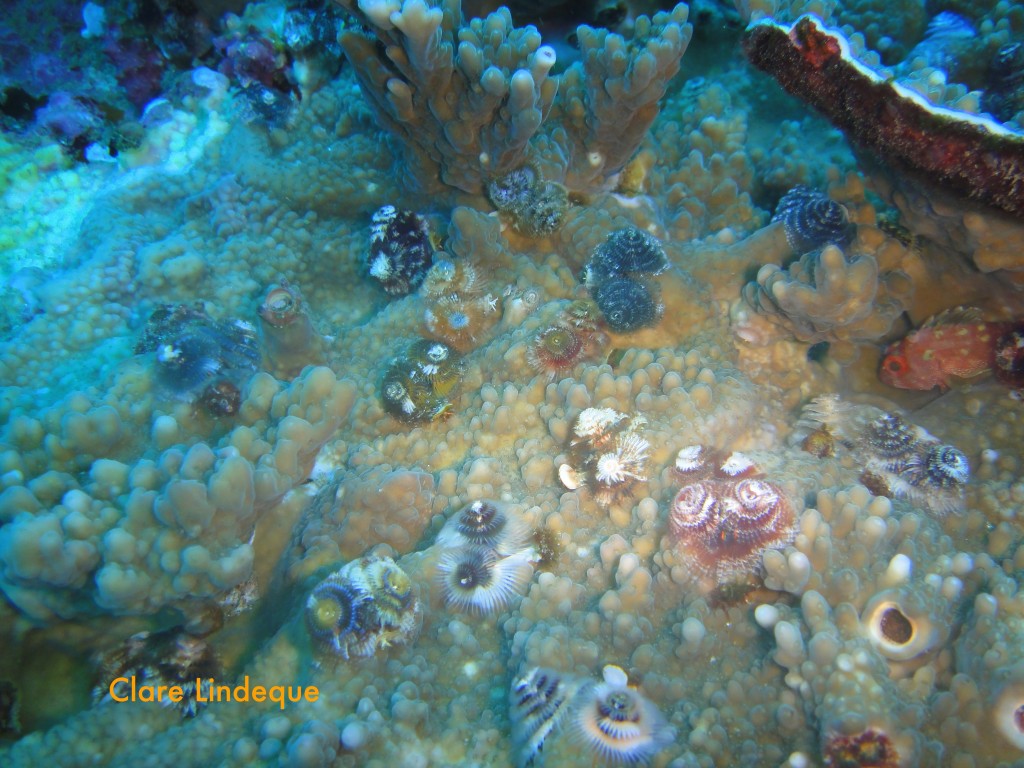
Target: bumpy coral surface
[256,510]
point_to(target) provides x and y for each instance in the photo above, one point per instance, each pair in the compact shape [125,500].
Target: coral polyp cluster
[618,277]
[367,605]
[535,207]
[485,523]
[617,724]
[537,704]
[574,337]
[898,458]
[461,319]
[726,517]
[608,455]
[418,386]
[868,749]
[628,252]
[290,340]
[451,276]
[478,580]
[1009,358]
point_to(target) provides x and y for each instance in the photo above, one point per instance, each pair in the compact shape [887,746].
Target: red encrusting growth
[960,154]
[868,749]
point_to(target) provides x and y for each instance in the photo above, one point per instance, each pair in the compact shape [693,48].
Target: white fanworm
[381,267]
[626,461]
[690,458]
[593,421]
[736,464]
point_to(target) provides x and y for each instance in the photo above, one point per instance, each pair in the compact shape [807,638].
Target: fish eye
[895,365]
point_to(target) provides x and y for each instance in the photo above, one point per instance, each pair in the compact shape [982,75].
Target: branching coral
[824,297]
[95,535]
[464,100]
[466,97]
[610,100]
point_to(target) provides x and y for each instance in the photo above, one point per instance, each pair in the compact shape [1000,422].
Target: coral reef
[464,100]
[171,529]
[609,100]
[847,593]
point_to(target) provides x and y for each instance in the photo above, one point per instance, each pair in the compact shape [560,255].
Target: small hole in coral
[896,627]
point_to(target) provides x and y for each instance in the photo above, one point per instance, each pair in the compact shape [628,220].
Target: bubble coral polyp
[725,518]
[367,605]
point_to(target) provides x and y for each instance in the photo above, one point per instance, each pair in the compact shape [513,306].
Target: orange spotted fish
[953,343]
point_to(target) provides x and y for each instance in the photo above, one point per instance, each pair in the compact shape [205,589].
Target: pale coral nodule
[1008,712]
[899,629]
